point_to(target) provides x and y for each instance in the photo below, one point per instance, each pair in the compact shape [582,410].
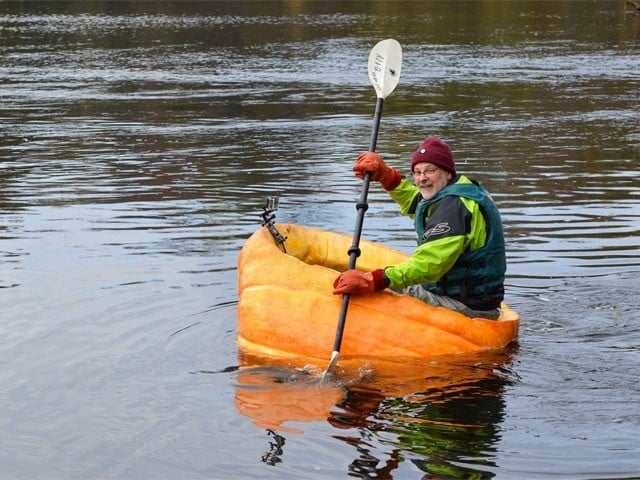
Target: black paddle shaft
[361,206]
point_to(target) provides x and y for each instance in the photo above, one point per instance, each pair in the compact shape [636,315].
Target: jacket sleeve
[404,195]
[429,262]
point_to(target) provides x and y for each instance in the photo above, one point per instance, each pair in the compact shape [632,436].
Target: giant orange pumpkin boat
[287,311]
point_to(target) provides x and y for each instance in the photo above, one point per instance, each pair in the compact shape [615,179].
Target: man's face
[430,179]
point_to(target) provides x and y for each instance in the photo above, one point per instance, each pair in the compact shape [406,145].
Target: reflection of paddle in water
[272,457]
[275,397]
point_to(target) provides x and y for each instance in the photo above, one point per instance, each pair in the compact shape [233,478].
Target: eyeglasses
[427,173]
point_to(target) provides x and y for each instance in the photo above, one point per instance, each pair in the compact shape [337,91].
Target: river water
[137,145]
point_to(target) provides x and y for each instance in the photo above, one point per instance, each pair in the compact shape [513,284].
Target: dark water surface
[137,144]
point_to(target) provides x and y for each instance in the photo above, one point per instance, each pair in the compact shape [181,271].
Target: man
[460,259]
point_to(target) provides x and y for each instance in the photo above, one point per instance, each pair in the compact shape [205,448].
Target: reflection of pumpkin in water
[272,396]
[435,413]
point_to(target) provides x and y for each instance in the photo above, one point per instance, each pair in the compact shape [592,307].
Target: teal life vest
[477,278]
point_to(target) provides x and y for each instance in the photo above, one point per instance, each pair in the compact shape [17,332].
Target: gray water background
[138,141]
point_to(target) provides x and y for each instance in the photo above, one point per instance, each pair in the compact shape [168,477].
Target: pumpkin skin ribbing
[286,307]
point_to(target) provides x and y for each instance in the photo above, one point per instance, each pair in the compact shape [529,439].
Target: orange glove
[357,282]
[380,171]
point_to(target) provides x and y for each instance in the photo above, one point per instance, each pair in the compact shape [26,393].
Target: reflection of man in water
[443,428]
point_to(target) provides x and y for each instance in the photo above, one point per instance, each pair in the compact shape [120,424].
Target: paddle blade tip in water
[332,363]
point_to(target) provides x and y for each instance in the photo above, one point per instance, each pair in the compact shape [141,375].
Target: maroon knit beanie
[434,151]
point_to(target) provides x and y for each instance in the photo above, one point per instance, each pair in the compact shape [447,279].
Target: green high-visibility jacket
[460,251]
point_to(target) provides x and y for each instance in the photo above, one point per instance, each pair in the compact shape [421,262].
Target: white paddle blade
[385,62]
